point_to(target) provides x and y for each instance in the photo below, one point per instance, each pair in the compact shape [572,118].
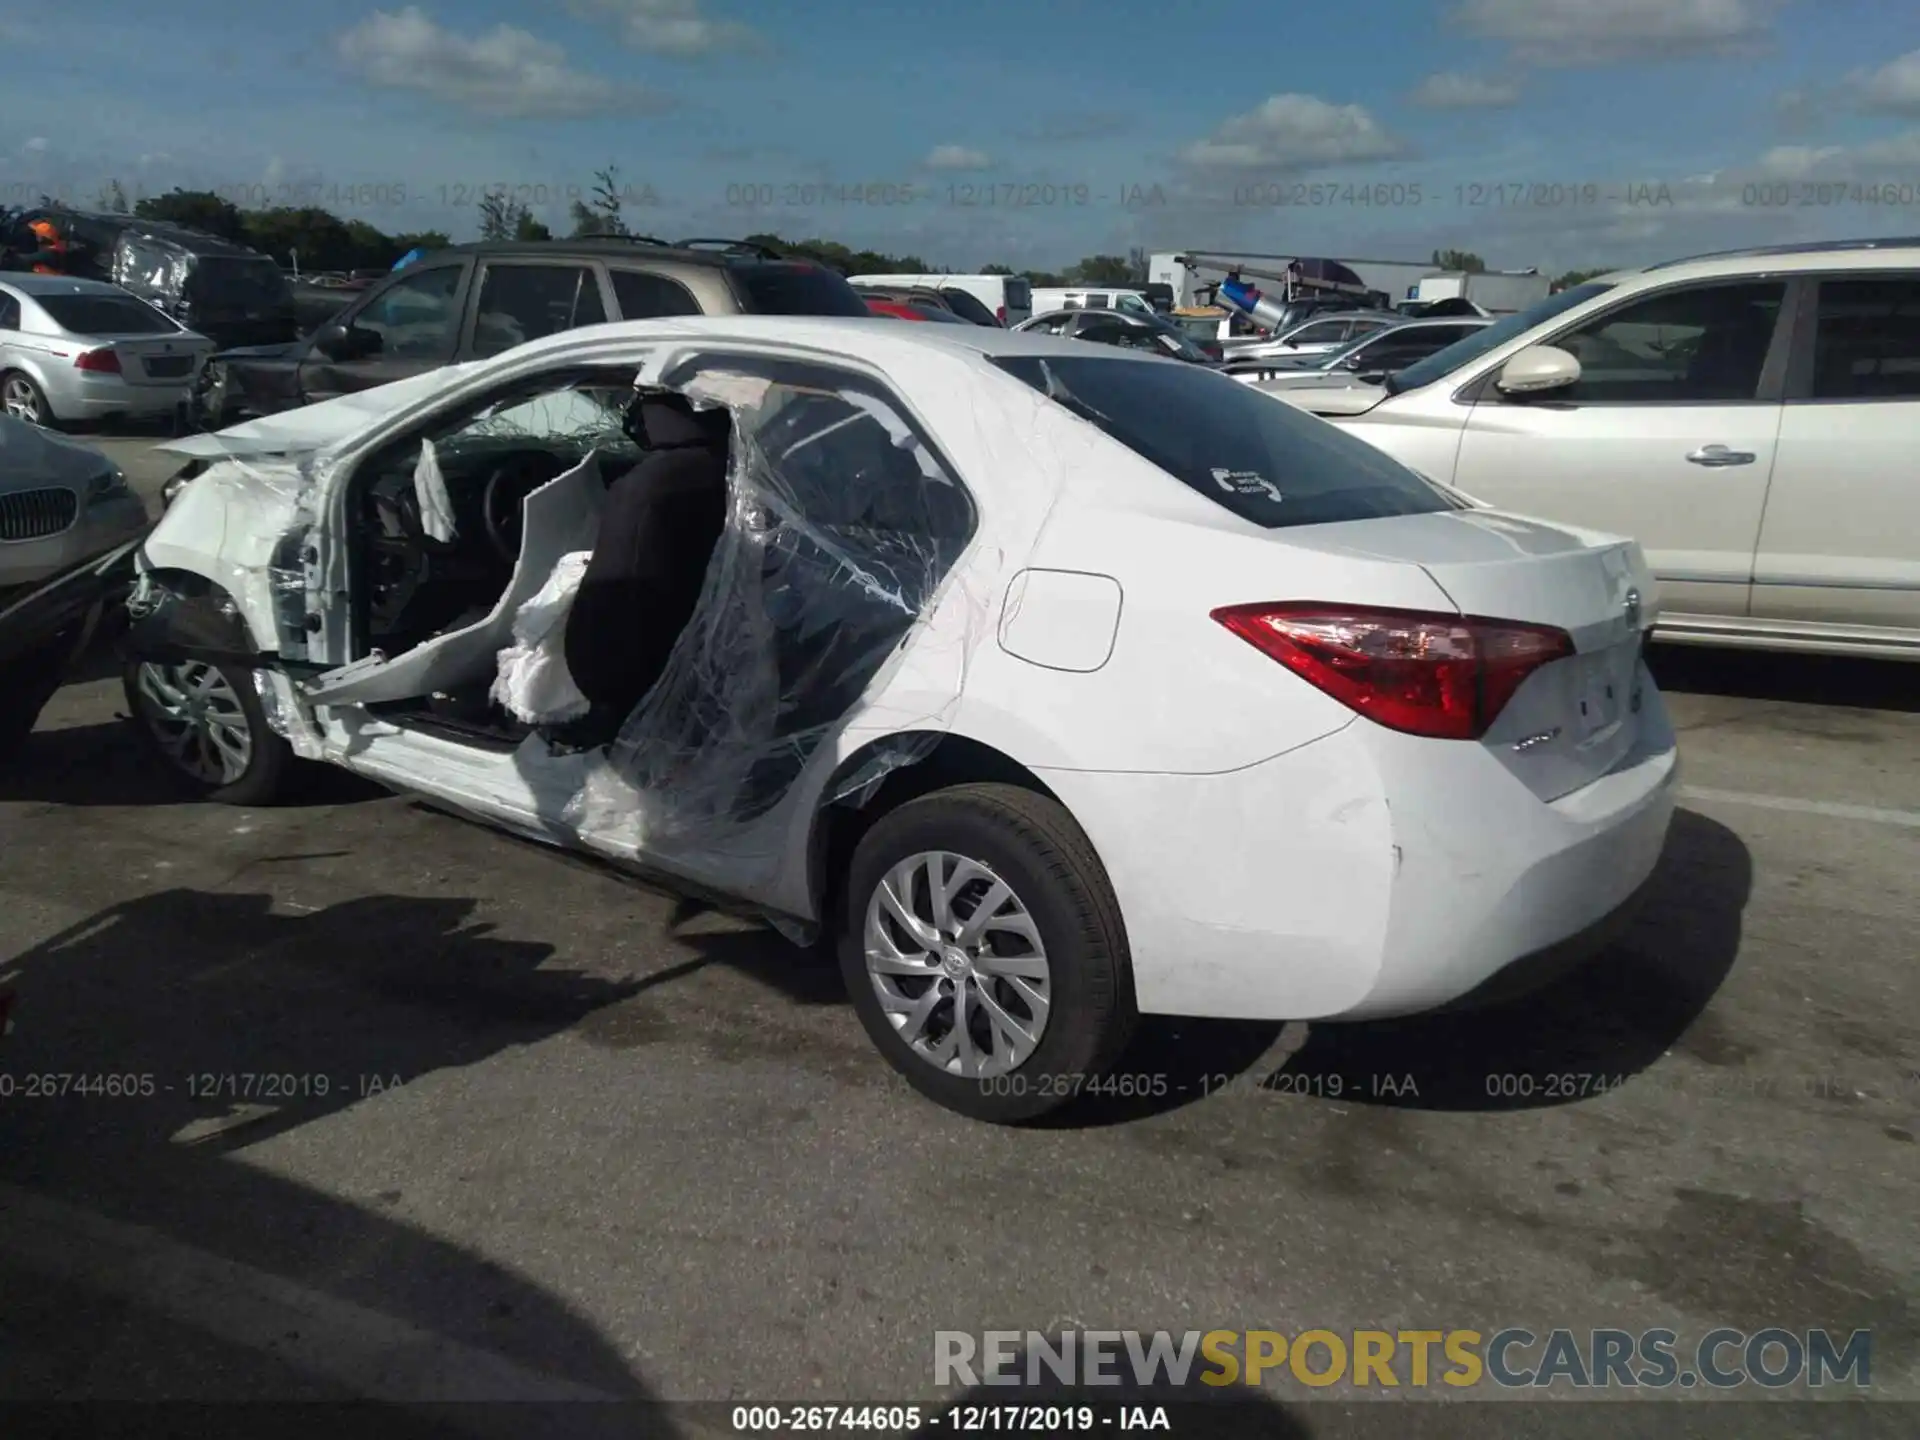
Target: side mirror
[1536,369]
[340,341]
[1352,362]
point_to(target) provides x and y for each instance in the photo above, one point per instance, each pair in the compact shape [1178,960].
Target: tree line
[318,240]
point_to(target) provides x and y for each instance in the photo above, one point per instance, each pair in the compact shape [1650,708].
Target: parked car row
[1749,417]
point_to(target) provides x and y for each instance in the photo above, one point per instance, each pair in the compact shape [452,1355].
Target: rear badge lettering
[1543,738]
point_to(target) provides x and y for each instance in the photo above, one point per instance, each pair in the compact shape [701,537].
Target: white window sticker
[1246,482]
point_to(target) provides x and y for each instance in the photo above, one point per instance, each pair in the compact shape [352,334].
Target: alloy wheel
[197,718]
[21,400]
[958,964]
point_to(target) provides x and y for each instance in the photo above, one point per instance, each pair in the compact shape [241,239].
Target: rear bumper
[1367,874]
[89,397]
[102,525]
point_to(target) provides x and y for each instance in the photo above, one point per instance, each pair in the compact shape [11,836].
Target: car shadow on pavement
[144,1046]
[1828,680]
[1590,1032]
[109,763]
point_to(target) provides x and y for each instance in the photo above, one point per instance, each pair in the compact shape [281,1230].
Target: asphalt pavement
[402,1108]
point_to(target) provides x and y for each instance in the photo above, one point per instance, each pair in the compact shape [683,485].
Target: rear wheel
[983,947]
[24,400]
[208,727]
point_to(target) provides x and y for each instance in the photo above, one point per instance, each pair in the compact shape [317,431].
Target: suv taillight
[1443,676]
[1000,314]
[100,362]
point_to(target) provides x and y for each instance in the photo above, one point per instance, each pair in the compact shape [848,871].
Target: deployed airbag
[534,684]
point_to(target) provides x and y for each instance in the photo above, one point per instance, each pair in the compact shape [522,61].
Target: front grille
[36,514]
[168,367]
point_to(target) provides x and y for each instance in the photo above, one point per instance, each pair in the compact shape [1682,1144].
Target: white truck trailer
[1497,292]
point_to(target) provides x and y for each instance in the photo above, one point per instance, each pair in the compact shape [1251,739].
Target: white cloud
[1597,32]
[36,146]
[1890,157]
[956,157]
[1894,87]
[504,72]
[1295,132]
[1451,91]
[669,27]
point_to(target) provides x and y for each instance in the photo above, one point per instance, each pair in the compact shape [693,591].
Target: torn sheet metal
[557,519]
[311,428]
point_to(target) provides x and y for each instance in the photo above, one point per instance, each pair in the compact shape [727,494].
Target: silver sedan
[82,350]
[61,502]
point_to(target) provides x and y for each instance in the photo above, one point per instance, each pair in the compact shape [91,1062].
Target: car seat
[659,528]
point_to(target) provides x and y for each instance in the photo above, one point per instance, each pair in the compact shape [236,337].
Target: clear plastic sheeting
[534,684]
[843,535]
[150,268]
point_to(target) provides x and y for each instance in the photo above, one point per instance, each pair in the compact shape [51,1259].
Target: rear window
[1249,453]
[1019,294]
[106,315]
[785,289]
[934,312]
[967,307]
[221,281]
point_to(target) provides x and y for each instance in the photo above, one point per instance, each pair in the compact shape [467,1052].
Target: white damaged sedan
[1055,684]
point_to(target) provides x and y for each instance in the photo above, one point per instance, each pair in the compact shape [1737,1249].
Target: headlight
[170,491]
[110,482]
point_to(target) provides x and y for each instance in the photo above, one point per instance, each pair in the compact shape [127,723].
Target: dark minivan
[469,302]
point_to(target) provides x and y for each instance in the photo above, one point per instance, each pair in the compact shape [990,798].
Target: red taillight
[101,362]
[1000,314]
[1444,676]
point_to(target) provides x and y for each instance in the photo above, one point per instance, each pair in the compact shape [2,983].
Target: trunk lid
[1573,720]
[158,359]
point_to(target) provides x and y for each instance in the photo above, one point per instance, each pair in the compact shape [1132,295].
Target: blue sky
[1020,130]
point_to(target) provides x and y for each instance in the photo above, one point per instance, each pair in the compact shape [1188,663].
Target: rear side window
[773,288]
[239,280]
[9,313]
[642,296]
[519,303]
[1867,341]
[1264,461]
[106,315]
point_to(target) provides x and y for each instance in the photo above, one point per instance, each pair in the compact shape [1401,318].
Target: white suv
[1752,418]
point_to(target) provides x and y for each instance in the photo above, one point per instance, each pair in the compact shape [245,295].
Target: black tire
[271,766]
[48,420]
[1033,844]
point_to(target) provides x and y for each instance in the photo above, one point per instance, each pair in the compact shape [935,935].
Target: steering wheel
[507,489]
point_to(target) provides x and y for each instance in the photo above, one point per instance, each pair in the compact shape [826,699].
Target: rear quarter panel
[1179,693]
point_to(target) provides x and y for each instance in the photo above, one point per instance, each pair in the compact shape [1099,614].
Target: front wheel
[207,725]
[985,954]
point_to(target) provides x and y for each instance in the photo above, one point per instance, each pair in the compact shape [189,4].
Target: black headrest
[669,422]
